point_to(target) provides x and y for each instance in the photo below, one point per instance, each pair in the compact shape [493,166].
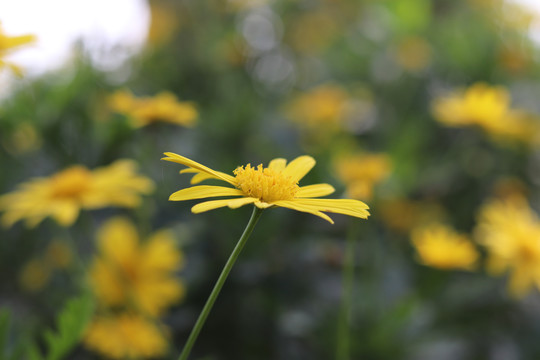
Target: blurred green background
[257,80]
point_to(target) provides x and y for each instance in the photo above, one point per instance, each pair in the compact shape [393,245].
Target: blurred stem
[343,332]
[219,284]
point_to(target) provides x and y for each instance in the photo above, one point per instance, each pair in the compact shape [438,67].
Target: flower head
[275,185]
[361,172]
[126,336]
[510,231]
[441,247]
[487,107]
[322,107]
[7,44]
[62,195]
[135,275]
[163,107]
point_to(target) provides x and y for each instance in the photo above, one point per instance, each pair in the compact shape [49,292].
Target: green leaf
[71,324]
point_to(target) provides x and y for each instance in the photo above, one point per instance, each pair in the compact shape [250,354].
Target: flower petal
[294,205]
[278,164]
[195,165]
[210,205]
[315,190]
[201,176]
[204,191]
[349,207]
[236,203]
[299,167]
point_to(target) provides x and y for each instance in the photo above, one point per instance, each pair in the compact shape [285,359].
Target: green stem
[219,284]
[343,333]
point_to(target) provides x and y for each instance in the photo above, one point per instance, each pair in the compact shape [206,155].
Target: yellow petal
[293,205]
[277,164]
[118,240]
[315,190]
[262,205]
[200,176]
[195,165]
[210,205]
[236,203]
[299,167]
[204,191]
[349,207]
[66,212]
[521,280]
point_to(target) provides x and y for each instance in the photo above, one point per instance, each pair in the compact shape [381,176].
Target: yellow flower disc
[265,184]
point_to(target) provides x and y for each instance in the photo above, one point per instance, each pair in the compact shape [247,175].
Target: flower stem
[219,283]
[343,332]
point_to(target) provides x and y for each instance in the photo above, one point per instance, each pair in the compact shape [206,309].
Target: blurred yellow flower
[361,172]
[441,247]
[163,107]
[164,22]
[62,195]
[321,109]
[487,107]
[35,275]
[402,215]
[510,231]
[413,53]
[126,336]
[7,44]
[275,185]
[139,276]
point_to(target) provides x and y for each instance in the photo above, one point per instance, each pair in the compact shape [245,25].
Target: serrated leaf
[71,323]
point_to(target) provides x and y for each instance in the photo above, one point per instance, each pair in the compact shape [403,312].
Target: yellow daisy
[126,336]
[275,185]
[163,107]
[7,44]
[127,273]
[441,247]
[510,231]
[64,194]
[361,172]
[487,107]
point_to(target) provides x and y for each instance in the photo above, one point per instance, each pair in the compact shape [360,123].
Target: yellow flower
[64,194]
[275,185]
[321,108]
[480,104]
[126,336]
[441,247]
[163,107]
[413,53]
[361,172]
[164,22]
[402,214]
[127,273]
[510,231]
[488,108]
[35,275]
[7,44]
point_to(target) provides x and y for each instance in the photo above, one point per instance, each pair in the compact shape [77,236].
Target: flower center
[71,183]
[265,184]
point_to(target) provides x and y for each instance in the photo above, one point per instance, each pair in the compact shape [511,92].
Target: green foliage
[71,323]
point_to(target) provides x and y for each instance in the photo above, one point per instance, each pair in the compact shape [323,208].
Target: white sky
[103,24]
